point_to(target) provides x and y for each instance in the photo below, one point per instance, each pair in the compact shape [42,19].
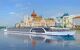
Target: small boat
[5,30]
[38,31]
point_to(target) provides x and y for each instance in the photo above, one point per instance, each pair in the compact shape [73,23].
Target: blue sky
[13,11]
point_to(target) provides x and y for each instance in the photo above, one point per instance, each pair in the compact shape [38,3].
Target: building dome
[33,14]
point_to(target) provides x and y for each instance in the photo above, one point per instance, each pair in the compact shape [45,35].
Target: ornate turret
[33,14]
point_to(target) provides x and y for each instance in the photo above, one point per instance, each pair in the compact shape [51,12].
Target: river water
[26,42]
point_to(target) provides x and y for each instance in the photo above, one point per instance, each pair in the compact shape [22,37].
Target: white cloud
[12,13]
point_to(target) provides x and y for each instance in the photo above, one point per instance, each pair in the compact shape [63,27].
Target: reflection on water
[29,42]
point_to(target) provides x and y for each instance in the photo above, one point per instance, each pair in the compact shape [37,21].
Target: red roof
[33,14]
[77,17]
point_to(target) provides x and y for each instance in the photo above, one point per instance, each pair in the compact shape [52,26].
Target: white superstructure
[43,31]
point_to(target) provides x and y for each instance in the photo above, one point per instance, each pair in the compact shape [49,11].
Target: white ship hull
[46,33]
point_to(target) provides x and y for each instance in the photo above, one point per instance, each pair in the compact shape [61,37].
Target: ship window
[48,29]
[38,30]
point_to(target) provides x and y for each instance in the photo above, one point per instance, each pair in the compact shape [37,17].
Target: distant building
[36,20]
[58,22]
[64,21]
[68,21]
[76,21]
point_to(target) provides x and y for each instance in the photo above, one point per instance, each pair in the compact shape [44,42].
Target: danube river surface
[27,42]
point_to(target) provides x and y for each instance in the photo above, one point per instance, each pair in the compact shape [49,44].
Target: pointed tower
[33,15]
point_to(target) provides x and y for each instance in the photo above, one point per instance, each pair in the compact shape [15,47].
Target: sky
[13,11]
